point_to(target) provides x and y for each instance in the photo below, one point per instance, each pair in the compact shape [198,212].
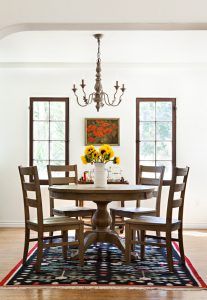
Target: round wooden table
[101,220]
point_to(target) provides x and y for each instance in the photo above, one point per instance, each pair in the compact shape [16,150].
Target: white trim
[12,224]
[5,31]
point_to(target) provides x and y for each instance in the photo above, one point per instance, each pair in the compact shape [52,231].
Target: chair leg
[93,226]
[169,251]
[26,245]
[138,235]
[81,246]
[65,248]
[142,238]
[180,240]
[76,233]
[113,219]
[133,238]
[128,235]
[39,251]
[51,214]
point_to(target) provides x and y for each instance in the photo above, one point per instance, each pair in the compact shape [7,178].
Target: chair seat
[74,211]
[131,211]
[55,221]
[150,221]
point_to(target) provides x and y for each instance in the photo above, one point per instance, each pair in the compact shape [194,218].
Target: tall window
[156,133]
[49,133]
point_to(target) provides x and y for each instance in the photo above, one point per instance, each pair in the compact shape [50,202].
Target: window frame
[173,101]
[48,99]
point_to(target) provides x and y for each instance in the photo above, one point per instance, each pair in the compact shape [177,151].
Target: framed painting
[99,131]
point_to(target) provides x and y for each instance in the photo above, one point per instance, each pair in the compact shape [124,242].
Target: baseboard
[10,224]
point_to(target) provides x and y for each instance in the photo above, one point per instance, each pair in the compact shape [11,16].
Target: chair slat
[27,171]
[181,171]
[149,181]
[66,168]
[177,203]
[63,180]
[179,187]
[29,186]
[151,169]
[31,202]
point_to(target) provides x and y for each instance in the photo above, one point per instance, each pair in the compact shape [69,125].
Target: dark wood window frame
[173,101]
[49,99]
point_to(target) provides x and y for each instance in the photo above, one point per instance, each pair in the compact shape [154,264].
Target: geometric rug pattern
[104,265]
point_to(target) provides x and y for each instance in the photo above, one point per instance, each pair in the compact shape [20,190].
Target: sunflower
[84,160]
[89,149]
[95,155]
[116,160]
[103,150]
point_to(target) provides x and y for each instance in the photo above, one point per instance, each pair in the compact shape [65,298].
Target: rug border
[17,267]
[190,267]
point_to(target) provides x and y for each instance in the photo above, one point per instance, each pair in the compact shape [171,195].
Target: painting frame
[108,128]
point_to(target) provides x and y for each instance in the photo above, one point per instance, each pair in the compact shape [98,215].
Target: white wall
[187,83]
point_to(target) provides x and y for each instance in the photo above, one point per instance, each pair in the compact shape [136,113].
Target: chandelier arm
[85,100]
[90,98]
[106,96]
[112,103]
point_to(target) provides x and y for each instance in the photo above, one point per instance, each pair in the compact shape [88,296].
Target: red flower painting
[102,131]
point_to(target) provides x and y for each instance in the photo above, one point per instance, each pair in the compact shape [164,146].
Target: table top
[91,189]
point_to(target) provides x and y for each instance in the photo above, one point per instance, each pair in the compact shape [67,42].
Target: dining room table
[101,220]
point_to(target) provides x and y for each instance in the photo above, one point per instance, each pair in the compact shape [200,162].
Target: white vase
[100,175]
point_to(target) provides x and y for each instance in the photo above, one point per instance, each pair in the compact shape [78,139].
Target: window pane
[147,131]
[163,150]
[164,131]
[168,168]
[57,131]
[163,111]
[147,111]
[147,163]
[57,150]
[41,130]
[147,151]
[40,150]
[40,110]
[42,168]
[57,111]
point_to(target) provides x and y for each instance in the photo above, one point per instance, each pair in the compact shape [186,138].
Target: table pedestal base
[102,234]
[103,237]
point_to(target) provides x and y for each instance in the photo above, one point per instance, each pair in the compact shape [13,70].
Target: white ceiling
[116,47]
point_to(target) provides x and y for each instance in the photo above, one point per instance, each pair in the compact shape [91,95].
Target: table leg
[102,232]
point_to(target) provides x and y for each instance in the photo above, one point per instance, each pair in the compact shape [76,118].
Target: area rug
[104,265]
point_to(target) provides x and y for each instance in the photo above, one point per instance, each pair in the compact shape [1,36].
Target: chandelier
[99,96]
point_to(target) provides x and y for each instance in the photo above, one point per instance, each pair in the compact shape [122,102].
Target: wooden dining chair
[32,199]
[167,224]
[67,174]
[148,175]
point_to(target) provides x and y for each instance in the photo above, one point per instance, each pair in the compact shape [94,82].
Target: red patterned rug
[105,266]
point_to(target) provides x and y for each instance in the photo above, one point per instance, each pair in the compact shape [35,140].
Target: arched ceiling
[116,47]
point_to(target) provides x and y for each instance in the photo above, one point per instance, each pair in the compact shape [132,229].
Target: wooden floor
[11,246]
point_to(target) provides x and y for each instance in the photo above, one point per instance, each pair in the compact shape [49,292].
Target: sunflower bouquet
[103,155]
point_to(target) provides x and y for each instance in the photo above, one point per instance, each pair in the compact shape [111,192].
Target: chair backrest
[152,175]
[62,175]
[178,186]
[31,192]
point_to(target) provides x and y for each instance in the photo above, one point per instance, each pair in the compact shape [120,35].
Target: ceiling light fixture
[99,96]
